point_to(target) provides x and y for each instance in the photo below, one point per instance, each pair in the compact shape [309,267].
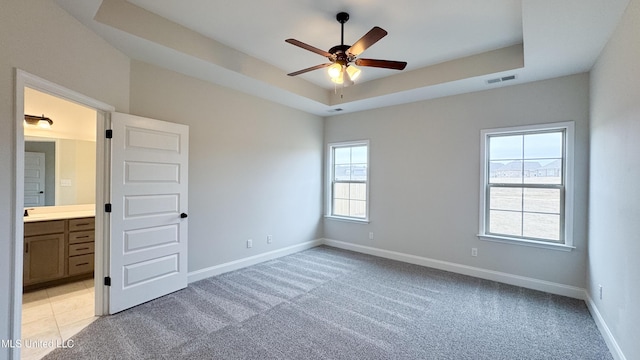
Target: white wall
[78,164]
[614,210]
[255,167]
[41,38]
[425,176]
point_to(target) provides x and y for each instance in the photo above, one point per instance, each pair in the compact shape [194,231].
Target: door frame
[25,79]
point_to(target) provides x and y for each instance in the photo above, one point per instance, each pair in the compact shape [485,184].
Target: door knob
[41,192]
[183,215]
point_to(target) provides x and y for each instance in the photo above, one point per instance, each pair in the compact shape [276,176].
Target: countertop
[59,215]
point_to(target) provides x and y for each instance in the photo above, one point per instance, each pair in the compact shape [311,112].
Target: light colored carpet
[326,303]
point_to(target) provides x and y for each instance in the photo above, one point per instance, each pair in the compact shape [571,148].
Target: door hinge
[109,134]
[107,208]
[107,281]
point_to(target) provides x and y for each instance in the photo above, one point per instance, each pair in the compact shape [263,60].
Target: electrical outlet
[474,251]
[371,235]
[249,243]
[600,290]
[269,239]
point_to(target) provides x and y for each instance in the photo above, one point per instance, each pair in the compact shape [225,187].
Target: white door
[34,175]
[148,224]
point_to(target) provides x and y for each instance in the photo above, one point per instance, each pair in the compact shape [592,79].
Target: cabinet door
[43,258]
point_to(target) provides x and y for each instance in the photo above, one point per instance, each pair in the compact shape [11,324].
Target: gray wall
[425,175]
[42,39]
[614,210]
[255,167]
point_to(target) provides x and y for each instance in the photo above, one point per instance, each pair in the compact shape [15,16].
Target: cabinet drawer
[81,249]
[80,264]
[82,224]
[81,236]
[43,227]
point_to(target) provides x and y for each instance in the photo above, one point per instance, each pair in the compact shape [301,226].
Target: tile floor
[54,315]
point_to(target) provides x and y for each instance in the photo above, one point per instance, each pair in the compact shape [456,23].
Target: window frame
[330,180]
[566,187]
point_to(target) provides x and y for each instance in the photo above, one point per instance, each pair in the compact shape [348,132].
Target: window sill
[524,242]
[346,219]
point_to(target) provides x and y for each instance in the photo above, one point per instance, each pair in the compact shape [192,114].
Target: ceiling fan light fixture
[340,78]
[335,71]
[353,72]
[341,56]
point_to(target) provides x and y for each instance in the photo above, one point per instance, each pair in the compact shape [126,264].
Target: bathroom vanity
[58,248]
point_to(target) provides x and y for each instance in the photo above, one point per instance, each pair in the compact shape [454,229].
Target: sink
[36,216]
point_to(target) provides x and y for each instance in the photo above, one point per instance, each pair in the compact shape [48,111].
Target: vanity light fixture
[39,121]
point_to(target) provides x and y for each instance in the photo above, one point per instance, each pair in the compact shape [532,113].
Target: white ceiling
[430,33]
[240,44]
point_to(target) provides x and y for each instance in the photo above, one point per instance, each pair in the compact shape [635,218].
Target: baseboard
[252,260]
[522,281]
[612,344]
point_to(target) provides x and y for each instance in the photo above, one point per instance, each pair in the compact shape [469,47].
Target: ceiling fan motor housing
[339,52]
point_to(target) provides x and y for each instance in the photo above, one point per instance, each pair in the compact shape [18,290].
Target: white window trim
[329,181]
[568,164]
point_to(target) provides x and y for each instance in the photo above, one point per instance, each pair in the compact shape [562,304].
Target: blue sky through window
[543,147]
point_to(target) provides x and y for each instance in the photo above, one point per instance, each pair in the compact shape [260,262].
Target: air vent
[501,79]
[335,110]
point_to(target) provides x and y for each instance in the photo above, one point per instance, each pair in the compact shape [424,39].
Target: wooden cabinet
[44,251]
[58,250]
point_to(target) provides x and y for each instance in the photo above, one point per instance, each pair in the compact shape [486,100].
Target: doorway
[58,297]
[73,194]
[141,173]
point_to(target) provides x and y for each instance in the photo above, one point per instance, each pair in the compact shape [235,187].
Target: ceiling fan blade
[308,47]
[310,69]
[367,40]
[387,64]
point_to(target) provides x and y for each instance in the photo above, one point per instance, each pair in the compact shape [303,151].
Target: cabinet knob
[183,215]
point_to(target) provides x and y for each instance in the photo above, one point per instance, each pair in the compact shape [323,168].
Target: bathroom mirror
[60,161]
[69,174]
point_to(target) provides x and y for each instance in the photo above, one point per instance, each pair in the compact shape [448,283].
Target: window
[348,189]
[527,187]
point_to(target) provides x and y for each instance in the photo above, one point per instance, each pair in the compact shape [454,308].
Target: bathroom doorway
[69,225]
[127,144]
[58,297]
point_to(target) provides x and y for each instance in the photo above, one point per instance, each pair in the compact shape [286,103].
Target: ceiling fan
[344,57]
